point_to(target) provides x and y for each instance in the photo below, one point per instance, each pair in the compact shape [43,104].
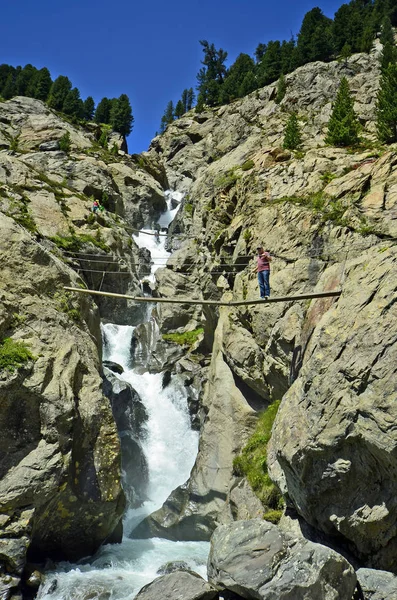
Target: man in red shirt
[263,270]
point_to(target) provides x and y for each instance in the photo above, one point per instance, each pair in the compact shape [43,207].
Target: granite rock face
[257,561]
[377,585]
[60,491]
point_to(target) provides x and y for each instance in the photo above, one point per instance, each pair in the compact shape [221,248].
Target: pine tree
[345,53]
[25,80]
[190,99]
[248,85]
[281,89]
[9,89]
[232,86]
[42,84]
[292,134]
[121,118]
[314,38]
[179,109]
[5,70]
[102,112]
[88,108]
[168,116]
[386,106]
[269,69]
[73,104]
[58,92]
[211,76]
[343,126]
[389,51]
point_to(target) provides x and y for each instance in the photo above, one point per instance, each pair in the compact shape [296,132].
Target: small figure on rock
[263,269]
[95,206]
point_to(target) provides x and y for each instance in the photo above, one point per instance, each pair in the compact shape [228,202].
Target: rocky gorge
[329,217]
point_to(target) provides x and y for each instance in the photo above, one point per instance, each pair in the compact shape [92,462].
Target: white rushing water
[118,571]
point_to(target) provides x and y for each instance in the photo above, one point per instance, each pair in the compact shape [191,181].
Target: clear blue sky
[148,49]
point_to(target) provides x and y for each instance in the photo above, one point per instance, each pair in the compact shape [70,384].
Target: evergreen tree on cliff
[24,82]
[42,84]
[343,126]
[179,109]
[102,112]
[121,118]
[73,104]
[168,116]
[58,92]
[386,106]
[314,38]
[269,69]
[292,135]
[389,50]
[9,88]
[211,76]
[88,108]
[237,75]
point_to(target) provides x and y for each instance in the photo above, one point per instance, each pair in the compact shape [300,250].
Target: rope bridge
[191,301]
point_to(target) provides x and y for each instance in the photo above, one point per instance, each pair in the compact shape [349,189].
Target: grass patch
[327,177]
[73,243]
[64,304]
[252,463]
[188,208]
[249,164]
[13,354]
[188,338]
[227,179]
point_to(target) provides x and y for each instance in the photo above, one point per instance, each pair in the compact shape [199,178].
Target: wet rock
[377,585]
[254,559]
[180,585]
[112,366]
[170,567]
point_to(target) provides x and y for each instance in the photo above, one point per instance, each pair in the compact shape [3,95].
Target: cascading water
[117,572]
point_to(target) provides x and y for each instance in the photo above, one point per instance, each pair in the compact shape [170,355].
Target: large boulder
[257,561]
[377,585]
[180,585]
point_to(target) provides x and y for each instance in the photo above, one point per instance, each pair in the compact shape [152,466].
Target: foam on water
[119,571]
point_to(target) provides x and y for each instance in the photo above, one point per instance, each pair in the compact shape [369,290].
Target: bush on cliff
[252,462]
[13,354]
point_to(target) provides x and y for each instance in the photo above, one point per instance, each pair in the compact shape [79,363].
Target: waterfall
[117,572]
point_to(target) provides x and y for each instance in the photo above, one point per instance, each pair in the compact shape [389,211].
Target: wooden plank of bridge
[191,301]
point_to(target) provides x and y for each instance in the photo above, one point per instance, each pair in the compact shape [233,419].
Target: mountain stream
[118,571]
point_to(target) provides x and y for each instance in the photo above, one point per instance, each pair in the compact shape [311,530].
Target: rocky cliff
[329,217]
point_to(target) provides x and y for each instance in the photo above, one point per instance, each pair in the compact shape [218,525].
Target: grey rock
[180,585]
[257,561]
[377,585]
[52,146]
[170,567]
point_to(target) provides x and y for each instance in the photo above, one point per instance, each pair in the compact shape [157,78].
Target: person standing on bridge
[263,269]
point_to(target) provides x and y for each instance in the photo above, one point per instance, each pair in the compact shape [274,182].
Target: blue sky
[147,49]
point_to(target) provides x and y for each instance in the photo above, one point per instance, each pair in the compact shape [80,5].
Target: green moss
[188,208]
[188,338]
[249,164]
[327,177]
[73,243]
[252,461]
[228,179]
[13,354]
[273,516]
[64,303]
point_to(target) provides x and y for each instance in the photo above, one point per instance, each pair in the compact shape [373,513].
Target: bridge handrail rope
[193,302]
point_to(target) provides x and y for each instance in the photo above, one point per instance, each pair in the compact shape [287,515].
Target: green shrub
[252,461]
[228,179]
[327,177]
[292,135]
[64,304]
[13,354]
[249,164]
[14,144]
[188,338]
[65,142]
[188,208]
[247,236]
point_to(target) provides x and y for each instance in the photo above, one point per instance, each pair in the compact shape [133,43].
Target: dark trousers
[264,284]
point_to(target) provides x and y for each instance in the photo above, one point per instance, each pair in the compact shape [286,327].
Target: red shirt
[263,262]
